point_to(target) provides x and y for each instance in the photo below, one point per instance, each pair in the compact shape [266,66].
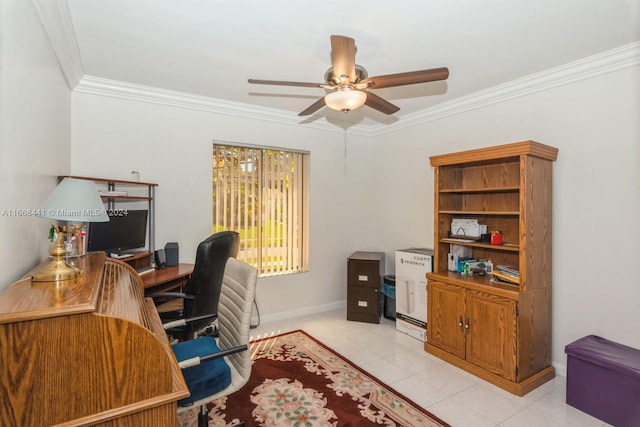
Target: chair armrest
[195,361]
[182,322]
[226,352]
[172,295]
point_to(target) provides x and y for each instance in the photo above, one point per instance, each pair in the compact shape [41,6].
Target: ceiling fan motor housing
[361,74]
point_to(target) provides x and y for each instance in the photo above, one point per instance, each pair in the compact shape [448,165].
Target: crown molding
[56,20]
[134,92]
[606,62]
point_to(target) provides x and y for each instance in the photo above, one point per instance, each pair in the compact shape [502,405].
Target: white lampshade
[345,99]
[75,200]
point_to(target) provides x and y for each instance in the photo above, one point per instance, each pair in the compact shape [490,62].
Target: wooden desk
[86,352]
[166,279]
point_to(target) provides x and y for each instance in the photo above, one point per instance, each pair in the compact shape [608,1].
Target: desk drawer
[364,273]
[364,304]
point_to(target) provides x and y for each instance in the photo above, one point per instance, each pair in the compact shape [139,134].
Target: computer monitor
[125,231]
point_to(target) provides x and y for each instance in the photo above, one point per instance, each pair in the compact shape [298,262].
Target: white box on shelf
[412,266]
[467,227]
[455,253]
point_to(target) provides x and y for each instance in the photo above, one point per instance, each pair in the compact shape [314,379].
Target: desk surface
[166,275]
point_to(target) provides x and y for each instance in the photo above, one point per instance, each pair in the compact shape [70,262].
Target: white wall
[173,147]
[596,199]
[34,135]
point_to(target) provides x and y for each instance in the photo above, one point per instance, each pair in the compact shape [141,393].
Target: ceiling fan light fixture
[345,99]
[348,84]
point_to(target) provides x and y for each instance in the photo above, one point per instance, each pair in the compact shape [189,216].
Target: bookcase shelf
[471,213]
[472,244]
[123,198]
[480,190]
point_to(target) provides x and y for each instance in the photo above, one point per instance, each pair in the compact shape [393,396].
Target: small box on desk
[603,380]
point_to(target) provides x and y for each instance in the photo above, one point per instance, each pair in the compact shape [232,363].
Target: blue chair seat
[207,378]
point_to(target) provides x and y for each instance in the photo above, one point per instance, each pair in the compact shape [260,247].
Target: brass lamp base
[57,270]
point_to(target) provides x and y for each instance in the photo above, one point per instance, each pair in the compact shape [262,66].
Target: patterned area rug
[298,381]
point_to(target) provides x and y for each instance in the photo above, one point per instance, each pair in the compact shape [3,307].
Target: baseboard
[561,370]
[284,315]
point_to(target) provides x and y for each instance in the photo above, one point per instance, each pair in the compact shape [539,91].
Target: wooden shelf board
[471,243]
[509,213]
[478,283]
[497,153]
[480,190]
[115,181]
[106,196]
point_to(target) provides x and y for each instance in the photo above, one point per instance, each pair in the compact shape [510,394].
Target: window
[262,193]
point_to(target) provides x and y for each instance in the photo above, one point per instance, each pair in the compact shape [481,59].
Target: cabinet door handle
[460,323]
[466,326]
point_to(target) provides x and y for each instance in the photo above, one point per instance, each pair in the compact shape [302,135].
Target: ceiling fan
[349,83]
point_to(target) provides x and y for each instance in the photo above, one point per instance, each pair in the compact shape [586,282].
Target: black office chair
[199,299]
[216,368]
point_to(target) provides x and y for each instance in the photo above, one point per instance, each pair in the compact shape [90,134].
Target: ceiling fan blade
[409,78]
[343,58]
[283,83]
[380,104]
[313,107]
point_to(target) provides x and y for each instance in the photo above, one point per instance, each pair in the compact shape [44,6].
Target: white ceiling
[210,48]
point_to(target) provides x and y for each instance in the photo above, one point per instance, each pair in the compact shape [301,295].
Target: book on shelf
[503,282]
[510,270]
[500,276]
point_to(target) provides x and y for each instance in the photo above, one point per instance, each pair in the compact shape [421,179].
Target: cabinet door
[491,333]
[445,328]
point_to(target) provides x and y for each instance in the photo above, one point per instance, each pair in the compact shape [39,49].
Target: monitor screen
[126,230]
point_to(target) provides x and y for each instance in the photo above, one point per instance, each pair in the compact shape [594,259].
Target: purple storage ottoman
[603,380]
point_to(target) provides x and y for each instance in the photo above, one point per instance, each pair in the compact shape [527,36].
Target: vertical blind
[263,194]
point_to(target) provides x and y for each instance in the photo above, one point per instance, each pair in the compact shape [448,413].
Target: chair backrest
[208,271]
[234,315]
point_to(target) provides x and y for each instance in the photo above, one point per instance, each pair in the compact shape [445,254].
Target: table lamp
[72,200]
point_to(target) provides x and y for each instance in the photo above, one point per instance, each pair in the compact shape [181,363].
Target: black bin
[389,292]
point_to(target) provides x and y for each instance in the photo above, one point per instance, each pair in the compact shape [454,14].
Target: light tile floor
[452,394]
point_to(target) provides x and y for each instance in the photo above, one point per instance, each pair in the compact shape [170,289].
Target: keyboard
[144,270]
[120,256]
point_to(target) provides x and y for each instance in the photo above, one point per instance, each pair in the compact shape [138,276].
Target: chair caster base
[203,417]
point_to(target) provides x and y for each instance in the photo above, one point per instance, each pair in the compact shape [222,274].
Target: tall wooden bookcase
[499,332]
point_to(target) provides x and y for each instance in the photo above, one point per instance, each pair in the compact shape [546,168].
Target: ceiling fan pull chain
[345,142]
